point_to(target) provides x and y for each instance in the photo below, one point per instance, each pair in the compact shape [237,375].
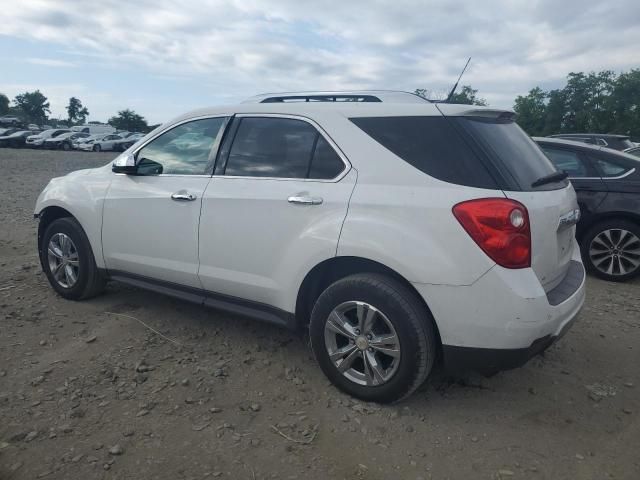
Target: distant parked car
[37,141]
[9,120]
[33,127]
[8,131]
[608,186]
[635,151]
[103,142]
[616,142]
[122,145]
[93,129]
[15,139]
[64,141]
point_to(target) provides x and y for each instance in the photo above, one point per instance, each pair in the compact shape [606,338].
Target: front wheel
[611,250]
[68,261]
[372,337]
[96,148]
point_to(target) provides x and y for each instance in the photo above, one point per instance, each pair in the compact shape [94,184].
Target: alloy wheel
[615,252]
[362,343]
[62,255]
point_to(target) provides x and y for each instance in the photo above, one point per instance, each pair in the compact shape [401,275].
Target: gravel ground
[89,390]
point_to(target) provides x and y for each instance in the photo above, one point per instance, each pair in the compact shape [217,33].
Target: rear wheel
[372,337]
[66,146]
[611,250]
[68,261]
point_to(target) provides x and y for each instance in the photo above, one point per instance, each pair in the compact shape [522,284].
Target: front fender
[81,194]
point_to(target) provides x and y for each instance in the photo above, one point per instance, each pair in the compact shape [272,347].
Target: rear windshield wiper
[554,177]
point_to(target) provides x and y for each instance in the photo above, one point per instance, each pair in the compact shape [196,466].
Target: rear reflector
[500,227]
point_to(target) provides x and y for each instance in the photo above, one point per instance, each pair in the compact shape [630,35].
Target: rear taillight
[500,227]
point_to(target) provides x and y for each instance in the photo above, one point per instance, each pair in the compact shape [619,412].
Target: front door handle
[304,200]
[183,197]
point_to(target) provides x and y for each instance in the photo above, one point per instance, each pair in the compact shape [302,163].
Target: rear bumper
[489,361]
[504,318]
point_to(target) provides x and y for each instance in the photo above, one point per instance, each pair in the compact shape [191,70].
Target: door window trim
[213,153]
[318,128]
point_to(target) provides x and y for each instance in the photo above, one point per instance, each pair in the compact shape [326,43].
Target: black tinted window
[182,150]
[566,160]
[326,163]
[271,147]
[430,144]
[511,150]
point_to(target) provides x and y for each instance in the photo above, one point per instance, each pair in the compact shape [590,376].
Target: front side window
[281,148]
[566,160]
[183,150]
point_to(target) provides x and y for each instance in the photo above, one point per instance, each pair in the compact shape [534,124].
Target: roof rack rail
[365,96]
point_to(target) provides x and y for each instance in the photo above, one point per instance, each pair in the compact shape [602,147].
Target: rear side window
[281,148]
[610,169]
[511,151]
[568,161]
[430,144]
[326,163]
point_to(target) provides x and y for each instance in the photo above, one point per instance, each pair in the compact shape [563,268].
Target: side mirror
[125,163]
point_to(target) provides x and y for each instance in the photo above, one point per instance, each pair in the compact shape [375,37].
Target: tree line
[34,107]
[602,102]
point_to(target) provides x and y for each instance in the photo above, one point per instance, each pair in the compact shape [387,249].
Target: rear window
[511,151]
[432,145]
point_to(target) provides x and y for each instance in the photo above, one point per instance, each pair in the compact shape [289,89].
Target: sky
[162,57]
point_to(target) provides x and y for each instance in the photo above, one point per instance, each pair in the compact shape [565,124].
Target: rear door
[552,206]
[274,208]
[584,176]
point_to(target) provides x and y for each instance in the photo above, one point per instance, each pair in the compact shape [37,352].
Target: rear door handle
[183,197]
[304,200]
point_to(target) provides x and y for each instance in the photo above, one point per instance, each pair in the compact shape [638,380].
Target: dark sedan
[15,139]
[608,186]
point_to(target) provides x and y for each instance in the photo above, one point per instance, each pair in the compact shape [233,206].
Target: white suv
[398,233]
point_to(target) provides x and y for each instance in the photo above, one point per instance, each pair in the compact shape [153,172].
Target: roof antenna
[457,81]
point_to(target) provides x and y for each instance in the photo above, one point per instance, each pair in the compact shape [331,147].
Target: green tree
[76,113]
[531,110]
[130,121]
[33,106]
[554,114]
[624,104]
[4,104]
[467,96]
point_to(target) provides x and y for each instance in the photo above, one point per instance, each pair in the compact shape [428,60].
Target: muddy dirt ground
[88,389]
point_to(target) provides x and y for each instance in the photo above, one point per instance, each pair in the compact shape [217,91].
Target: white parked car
[397,233]
[100,143]
[37,140]
[64,140]
[94,129]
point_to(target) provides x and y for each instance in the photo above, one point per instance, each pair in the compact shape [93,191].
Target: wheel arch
[330,270]
[48,215]
[607,217]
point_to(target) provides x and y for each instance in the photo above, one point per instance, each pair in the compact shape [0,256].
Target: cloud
[243,47]
[50,62]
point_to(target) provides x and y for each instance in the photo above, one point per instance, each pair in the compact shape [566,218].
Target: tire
[395,308]
[620,260]
[66,147]
[96,148]
[88,280]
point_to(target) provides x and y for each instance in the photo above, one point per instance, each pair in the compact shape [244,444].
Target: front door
[150,220]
